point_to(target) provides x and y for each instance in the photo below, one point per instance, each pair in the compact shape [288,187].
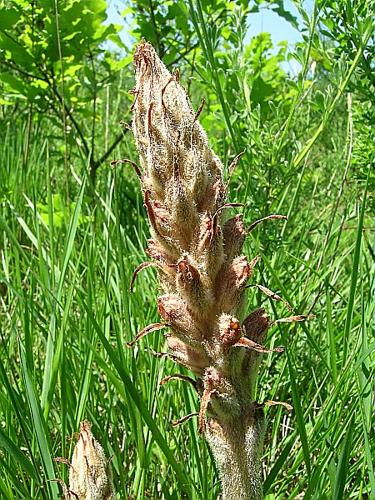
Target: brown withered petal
[240,271]
[227,205]
[130,162]
[256,324]
[292,319]
[151,213]
[193,358]
[212,380]
[209,251]
[186,271]
[184,419]
[287,406]
[250,344]
[274,296]
[154,327]
[162,215]
[199,110]
[230,284]
[174,310]
[234,235]
[233,164]
[179,376]
[161,252]
[190,284]
[269,292]
[142,266]
[229,329]
[203,409]
[268,217]
[156,251]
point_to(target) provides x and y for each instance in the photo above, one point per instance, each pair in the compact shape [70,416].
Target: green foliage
[346,25]
[45,44]
[68,253]
[61,212]
[52,56]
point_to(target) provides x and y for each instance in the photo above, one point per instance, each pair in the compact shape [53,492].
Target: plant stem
[237,448]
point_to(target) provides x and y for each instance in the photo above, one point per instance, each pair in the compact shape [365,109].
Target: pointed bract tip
[144,52]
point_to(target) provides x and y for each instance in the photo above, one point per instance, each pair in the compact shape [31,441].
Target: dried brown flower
[90,476]
[205,276]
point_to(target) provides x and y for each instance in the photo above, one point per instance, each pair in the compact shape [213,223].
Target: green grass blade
[343,465]
[270,479]
[296,396]
[39,427]
[354,276]
[49,369]
[17,455]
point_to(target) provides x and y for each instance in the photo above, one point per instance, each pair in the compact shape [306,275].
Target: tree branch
[117,140]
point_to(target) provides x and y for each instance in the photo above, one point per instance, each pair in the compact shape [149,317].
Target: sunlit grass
[66,314]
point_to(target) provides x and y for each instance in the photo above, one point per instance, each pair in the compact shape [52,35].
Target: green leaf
[285,14]
[355,272]
[261,91]
[8,18]
[39,426]
[17,455]
[343,465]
[16,51]
[296,396]
[16,84]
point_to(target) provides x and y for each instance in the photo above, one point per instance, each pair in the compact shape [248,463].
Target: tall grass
[66,314]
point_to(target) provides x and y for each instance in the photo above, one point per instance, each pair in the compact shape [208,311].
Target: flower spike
[206,280]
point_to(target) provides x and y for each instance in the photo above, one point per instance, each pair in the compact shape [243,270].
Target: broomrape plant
[202,273]
[90,474]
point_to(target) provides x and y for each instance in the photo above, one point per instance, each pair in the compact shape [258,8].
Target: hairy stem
[237,448]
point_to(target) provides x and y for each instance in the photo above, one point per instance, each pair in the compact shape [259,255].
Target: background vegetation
[72,230]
